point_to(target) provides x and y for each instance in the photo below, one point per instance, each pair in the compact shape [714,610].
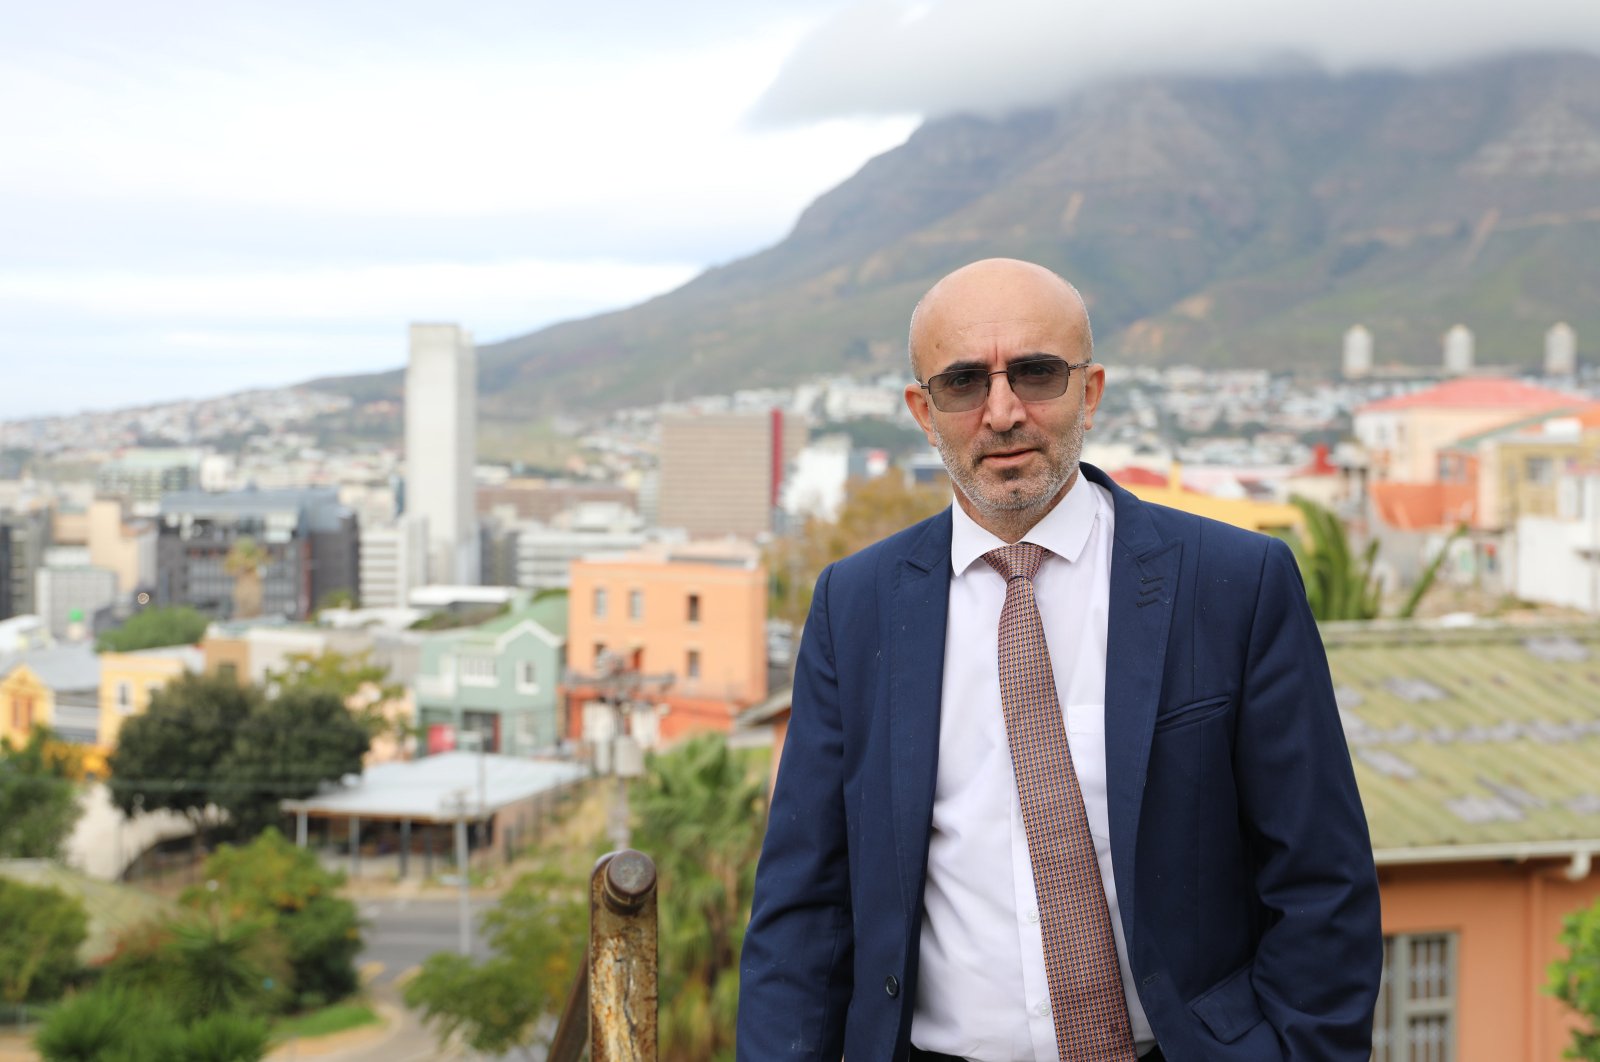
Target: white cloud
[880,57]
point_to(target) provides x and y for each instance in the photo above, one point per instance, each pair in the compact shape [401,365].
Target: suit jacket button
[891,985]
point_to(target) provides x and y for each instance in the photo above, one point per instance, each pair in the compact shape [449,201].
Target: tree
[207,741]
[154,628]
[286,889]
[536,940]
[700,816]
[1575,980]
[38,797]
[41,930]
[1338,585]
[355,678]
[284,749]
[1341,586]
[108,1024]
[245,561]
[175,756]
[873,509]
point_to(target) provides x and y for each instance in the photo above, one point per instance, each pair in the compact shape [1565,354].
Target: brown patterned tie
[1080,954]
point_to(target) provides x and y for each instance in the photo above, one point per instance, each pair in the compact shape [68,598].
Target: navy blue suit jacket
[1243,869]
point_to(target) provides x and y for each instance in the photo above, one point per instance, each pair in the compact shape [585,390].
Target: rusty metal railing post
[618,985]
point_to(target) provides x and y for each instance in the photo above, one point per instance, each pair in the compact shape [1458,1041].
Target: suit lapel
[1144,581]
[916,675]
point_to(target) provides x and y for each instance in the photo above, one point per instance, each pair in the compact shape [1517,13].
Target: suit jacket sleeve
[795,969]
[1318,961]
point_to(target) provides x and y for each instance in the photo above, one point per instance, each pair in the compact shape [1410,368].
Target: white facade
[1458,350]
[815,486]
[1560,350]
[394,561]
[1357,360]
[545,554]
[441,446]
[1558,557]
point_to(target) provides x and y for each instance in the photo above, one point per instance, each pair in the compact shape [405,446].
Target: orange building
[690,619]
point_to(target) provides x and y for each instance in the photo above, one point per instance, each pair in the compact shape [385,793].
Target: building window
[694,608]
[476,669]
[22,715]
[636,604]
[1539,470]
[124,697]
[599,602]
[228,671]
[691,666]
[527,677]
[1416,1016]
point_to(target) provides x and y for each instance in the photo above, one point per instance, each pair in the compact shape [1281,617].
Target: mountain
[1244,221]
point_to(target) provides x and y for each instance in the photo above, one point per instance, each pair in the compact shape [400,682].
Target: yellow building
[55,687]
[1252,515]
[128,679]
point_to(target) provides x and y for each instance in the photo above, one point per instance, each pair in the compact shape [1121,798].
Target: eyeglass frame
[988,383]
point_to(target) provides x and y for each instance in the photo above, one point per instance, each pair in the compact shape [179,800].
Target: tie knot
[1020,559]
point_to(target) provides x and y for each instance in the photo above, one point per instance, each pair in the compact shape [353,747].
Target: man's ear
[1094,388]
[917,402]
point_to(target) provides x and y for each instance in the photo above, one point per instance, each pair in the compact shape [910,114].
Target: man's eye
[961,381]
[1036,370]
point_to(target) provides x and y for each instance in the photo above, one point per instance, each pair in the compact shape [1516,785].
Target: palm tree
[245,562]
[699,815]
[1339,584]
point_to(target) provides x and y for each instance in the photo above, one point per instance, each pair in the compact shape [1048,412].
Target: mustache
[1005,442]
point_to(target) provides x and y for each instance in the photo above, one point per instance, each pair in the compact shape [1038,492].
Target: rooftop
[1485,738]
[67,666]
[429,789]
[1477,392]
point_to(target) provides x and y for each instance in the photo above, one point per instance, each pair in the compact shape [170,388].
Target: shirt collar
[1064,530]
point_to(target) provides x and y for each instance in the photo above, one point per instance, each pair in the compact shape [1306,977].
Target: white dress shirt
[982,993]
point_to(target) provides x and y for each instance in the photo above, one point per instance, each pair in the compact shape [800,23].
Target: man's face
[1010,460]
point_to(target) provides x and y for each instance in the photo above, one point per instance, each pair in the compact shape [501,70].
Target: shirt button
[1043,1010]
[891,985]
[1033,918]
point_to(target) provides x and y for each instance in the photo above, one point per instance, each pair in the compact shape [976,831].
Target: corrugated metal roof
[1481,736]
[430,788]
[1477,392]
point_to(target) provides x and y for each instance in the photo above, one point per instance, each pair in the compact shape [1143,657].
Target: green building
[499,679]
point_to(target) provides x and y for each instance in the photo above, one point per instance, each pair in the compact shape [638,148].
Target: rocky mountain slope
[1208,221]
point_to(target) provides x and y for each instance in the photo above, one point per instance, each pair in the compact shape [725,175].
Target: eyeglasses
[1035,380]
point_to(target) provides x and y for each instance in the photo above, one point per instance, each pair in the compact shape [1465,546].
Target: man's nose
[1002,409]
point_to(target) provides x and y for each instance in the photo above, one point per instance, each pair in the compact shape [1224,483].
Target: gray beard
[1063,465]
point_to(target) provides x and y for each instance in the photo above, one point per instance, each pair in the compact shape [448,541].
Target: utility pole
[463,872]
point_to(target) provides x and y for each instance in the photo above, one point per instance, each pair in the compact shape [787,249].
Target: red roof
[1477,392]
[1134,476]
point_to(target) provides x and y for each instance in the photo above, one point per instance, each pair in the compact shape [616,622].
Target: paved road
[401,932]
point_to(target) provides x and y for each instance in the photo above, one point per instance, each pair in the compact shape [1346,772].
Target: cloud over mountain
[934,57]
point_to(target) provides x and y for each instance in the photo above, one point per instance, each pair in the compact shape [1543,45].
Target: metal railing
[615,990]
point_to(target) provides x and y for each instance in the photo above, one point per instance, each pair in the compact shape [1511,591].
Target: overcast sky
[199,197]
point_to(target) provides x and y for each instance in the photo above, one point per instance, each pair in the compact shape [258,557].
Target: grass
[337,1018]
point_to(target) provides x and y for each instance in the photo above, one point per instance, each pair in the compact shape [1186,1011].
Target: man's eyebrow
[969,364]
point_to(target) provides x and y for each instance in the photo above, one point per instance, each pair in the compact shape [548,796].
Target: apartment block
[723,474]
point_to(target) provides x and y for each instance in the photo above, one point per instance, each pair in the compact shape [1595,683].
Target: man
[1064,775]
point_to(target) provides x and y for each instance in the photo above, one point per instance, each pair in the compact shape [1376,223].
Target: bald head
[959,309]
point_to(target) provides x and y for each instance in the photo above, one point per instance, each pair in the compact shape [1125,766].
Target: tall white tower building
[1560,350]
[441,448]
[1458,350]
[1357,353]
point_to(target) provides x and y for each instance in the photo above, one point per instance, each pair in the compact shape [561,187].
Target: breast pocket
[1086,735]
[1193,712]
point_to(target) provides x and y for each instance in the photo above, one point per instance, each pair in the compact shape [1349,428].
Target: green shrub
[224,1037]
